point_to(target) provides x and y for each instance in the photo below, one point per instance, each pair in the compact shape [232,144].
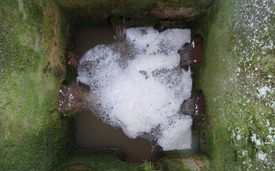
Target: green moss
[269,64]
[35,11]
[31,131]
[230,79]
[71,74]
[31,152]
[97,159]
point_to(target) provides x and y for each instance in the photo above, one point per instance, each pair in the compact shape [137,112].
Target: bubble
[138,91]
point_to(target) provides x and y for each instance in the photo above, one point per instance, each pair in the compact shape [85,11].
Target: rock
[194,163]
[194,106]
[191,53]
[199,104]
[133,154]
[197,49]
[135,12]
[166,24]
[187,107]
[71,59]
[70,99]
[164,10]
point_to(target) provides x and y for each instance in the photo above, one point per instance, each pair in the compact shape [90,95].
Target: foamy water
[138,85]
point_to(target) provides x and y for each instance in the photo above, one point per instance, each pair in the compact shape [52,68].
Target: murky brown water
[89,37]
[91,132]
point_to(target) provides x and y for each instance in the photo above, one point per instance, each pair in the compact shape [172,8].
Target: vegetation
[71,74]
[31,38]
[237,78]
[97,159]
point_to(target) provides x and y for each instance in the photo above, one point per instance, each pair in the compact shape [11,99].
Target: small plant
[147,166]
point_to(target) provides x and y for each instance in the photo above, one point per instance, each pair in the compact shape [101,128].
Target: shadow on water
[92,133]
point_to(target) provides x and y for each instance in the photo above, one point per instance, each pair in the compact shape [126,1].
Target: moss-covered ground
[32,44]
[237,77]
[98,159]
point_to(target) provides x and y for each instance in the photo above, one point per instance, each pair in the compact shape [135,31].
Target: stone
[72,59]
[70,99]
[191,53]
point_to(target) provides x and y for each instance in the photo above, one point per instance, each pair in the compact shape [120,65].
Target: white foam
[142,89]
[150,41]
[177,135]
